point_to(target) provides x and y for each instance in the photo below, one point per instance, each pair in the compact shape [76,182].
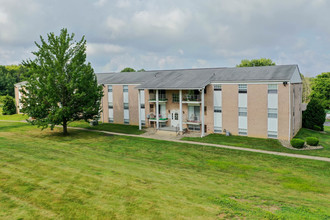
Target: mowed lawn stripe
[102,176]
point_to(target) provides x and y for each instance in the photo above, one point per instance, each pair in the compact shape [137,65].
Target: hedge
[297,143]
[312,141]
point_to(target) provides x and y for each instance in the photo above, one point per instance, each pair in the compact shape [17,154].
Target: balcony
[188,98]
[193,120]
[161,97]
[162,118]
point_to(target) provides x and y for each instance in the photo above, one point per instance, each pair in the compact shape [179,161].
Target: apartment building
[260,102]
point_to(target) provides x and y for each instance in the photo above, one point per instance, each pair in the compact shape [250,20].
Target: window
[110,105]
[142,106]
[217,129]
[126,121]
[175,97]
[176,116]
[272,89]
[272,134]
[242,131]
[242,88]
[125,88]
[126,106]
[205,110]
[151,106]
[109,88]
[217,109]
[111,120]
[217,88]
[272,112]
[194,127]
[143,122]
[242,111]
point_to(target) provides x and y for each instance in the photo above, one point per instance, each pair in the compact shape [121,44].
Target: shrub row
[299,143]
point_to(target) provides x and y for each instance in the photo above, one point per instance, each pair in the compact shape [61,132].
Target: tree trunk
[65,127]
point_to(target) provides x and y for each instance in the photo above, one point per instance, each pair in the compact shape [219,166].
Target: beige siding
[257,110]
[296,114]
[283,112]
[209,114]
[118,104]
[230,108]
[133,105]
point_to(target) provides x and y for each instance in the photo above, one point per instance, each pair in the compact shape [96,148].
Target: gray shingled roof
[198,78]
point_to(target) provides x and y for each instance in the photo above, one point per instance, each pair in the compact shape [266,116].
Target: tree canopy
[62,87]
[9,75]
[321,89]
[256,62]
[128,69]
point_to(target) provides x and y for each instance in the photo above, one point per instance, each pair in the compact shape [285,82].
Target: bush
[312,141]
[9,107]
[314,115]
[297,143]
[317,128]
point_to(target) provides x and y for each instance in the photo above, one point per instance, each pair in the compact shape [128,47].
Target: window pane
[217,87]
[125,88]
[242,88]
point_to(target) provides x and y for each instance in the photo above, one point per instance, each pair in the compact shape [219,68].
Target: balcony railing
[152,117]
[161,97]
[191,98]
[193,119]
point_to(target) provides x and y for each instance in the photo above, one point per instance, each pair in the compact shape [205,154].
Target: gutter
[289,110]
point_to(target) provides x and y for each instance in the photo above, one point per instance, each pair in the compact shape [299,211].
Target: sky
[157,34]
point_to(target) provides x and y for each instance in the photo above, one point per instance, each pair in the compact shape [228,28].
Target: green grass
[90,175]
[324,137]
[268,144]
[15,117]
[120,128]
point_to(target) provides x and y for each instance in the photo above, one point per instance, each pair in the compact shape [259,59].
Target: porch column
[180,112]
[157,110]
[202,112]
[139,104]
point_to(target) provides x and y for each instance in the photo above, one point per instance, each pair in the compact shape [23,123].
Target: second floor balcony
[191,98]
[161,97]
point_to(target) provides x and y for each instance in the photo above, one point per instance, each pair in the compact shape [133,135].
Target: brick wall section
[118,104]
[230,108]
[257,110]
[297,116]
[209,116]
[133,105]
[283,112]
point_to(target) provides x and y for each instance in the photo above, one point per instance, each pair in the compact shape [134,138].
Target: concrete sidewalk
[215,145]
[204,144]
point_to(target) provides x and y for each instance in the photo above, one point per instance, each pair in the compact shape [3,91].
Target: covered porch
[176,110]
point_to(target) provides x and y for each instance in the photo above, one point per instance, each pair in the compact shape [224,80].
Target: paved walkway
[215,145]
[205,144]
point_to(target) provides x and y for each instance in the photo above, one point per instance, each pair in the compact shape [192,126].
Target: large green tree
[321,89]
[62,87]
[256,62]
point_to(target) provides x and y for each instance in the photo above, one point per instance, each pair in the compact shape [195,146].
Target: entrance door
[174,118]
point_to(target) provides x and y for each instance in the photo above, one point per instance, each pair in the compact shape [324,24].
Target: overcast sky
[156,34]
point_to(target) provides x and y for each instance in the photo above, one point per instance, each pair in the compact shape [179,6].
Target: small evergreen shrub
[312,141]
[317,128]
[297,143]
[314,115]
[9,107]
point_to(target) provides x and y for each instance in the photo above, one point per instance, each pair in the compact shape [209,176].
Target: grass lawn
[15,117]
[269,144]
[89,175]
[120,128]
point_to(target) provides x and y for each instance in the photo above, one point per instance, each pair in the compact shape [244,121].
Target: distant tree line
[9,75]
